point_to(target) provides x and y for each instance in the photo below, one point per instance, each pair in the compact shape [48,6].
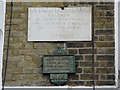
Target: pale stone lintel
[60,0]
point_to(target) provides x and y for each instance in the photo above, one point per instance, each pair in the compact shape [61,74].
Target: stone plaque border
[83,38]
[69,71]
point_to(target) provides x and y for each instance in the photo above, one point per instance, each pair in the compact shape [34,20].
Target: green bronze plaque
[59,64]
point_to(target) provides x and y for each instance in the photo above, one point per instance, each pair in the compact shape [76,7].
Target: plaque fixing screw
[41,65]
[62,8]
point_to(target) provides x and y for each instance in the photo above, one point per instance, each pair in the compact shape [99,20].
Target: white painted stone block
[55,24]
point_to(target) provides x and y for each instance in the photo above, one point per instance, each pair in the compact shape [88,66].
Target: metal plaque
[58,64]
[55,24]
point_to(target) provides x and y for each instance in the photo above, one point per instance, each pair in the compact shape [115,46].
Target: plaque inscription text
[55,24]
[58,64]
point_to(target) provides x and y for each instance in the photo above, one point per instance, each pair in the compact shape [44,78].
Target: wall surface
[2,26]
[118,28]
[25,57]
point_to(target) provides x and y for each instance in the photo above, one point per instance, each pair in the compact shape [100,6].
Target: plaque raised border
[59,76]
[71,67]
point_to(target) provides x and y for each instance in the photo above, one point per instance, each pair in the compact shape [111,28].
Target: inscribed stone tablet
[55,24]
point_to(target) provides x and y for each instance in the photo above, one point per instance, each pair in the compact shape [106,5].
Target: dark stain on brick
[103,83]
[72,51]
[73,77]
[85,51]
[104,32]
[75,45]
[78,57]
[105,57]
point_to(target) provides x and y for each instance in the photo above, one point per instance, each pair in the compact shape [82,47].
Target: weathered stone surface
[76,83]
[104,44]
[88,57]
[78,57]
[104,32]
[104,51]
[73,77]
[25,57]
[105,70]
[88,76]
[75,45]
[85,51]
[88,70]
[104,83]
[105,57]
[72,51]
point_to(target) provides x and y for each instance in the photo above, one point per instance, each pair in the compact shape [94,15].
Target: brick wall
[25,57]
